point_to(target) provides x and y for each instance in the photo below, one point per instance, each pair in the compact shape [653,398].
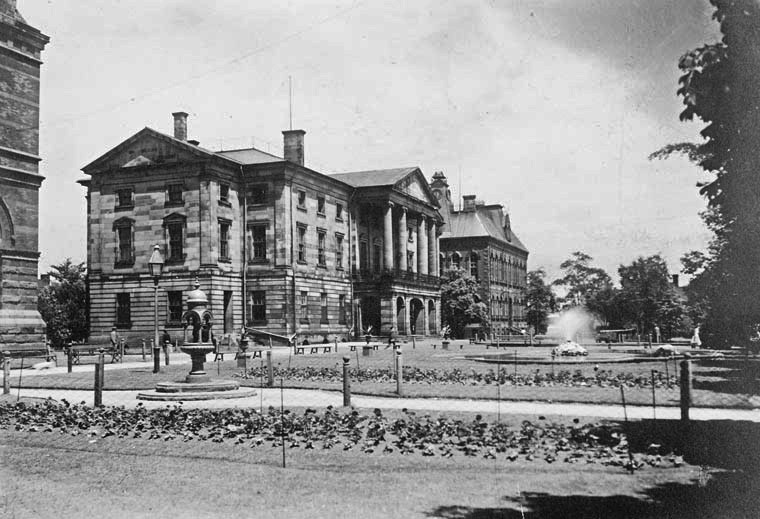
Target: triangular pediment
[415,185]
[145,148]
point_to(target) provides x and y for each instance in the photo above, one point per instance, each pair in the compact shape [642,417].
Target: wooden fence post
[270,369]
[346,384]
[99,375]
[399,373]
[6,373]
[685,389]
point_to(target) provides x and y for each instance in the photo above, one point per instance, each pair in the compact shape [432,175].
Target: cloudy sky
[548,107]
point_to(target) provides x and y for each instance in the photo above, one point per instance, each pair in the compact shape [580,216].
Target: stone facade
[479,238]
[268,238]
[20,50]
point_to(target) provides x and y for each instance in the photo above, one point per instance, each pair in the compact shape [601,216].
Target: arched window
[456,260]
[474,265]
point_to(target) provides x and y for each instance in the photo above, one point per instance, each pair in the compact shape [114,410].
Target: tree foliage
[63,303]
[648,298]
[460,303]
[581,280]
[719,87]
[540,300]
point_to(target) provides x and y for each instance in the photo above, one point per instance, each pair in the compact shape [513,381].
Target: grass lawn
[529,361]
[54,475]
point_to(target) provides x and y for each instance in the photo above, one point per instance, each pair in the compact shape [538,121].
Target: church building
[21,46]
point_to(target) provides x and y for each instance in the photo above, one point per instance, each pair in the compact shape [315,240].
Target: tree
[648,298]
[540,300]
[719,87]
[581,280]
[460,303]
[63,303]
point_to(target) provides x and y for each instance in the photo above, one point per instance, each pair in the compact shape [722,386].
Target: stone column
[403,239]
[422,246]
[433,266]
[388,236]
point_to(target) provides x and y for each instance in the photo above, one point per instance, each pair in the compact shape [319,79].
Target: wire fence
[433,368]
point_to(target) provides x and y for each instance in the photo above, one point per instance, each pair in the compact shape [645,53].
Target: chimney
[675,279]
[180,125]
[293,149]
[469,203]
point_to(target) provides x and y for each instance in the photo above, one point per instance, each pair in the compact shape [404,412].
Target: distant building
[479,238]
[276,246]
[20,49]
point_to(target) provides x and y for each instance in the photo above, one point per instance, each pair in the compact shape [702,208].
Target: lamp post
[156,266]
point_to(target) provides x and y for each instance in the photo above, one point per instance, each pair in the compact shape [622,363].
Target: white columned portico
[422,245]
[388,236]
[403,239]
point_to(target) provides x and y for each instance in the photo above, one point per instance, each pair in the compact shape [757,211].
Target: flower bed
[371,432]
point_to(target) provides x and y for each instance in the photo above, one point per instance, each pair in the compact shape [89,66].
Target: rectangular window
[323,307]
[338,251]
[321,205]
[302,199]
[258,307]
[259,241]
[224,240]
[124,198]
[175,231]
[224,193]
[302,244]
[410,234]
[377,257]
[341,309]
[339,212]
[410,261]
[364,255]
[174,298]
[304,307]
[174,194]
[321,248]
[258,194]
[123,311]
[124,235]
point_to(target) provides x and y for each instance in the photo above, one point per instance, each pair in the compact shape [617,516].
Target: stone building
[21,46]
[395,251]
[273,243]
[479,238]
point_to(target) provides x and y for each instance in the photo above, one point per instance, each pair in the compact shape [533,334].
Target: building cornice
[20,177]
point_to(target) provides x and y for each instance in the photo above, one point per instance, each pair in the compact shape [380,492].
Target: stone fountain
[198,322]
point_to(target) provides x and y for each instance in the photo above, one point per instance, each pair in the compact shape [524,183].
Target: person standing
[114,338]
[696,342]
[166,342]
[656,334]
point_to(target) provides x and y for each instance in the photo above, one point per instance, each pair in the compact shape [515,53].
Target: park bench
[227,345]
[14,350]
[313,348]
[95,346]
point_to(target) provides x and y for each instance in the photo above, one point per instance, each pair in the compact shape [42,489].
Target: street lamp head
[156,263]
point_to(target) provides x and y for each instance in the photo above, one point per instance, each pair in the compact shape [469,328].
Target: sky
[547,107]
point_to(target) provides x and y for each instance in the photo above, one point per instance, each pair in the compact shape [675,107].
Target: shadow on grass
[726,494]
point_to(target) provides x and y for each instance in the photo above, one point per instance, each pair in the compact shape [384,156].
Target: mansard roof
[479,223]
